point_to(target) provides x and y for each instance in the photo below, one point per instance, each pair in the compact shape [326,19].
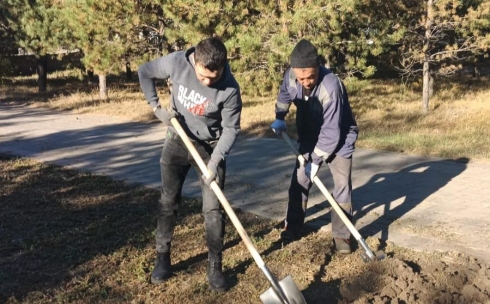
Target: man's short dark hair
[211,54]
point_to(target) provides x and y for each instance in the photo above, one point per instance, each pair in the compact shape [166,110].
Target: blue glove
[213,172]
[278,126]
[164,115]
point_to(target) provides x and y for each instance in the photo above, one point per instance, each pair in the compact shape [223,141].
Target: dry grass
[80,238]
[390,118]
[388,112]
[71,237]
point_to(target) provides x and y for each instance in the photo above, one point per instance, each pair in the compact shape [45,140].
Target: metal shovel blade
[369,255]
[378,256]
[290,290]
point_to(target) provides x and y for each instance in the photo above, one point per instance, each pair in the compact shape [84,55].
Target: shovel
[369,254]
[284,291]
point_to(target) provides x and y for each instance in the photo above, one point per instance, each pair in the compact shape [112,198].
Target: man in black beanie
[327,132]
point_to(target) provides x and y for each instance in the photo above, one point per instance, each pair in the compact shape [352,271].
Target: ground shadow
[46,235]
[399,192]
[319,291]
[57,219]
[390,195]
[87,149]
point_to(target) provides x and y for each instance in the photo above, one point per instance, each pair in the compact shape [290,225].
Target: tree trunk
[431,82]
[90,75]
[103,87]
[328,64]
[42,73]
[476,70]
[426,49]
[426,87]
[129,73]
[161,27]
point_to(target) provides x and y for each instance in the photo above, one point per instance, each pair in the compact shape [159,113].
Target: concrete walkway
[416,202]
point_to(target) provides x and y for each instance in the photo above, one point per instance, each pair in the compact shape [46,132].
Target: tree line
[416,38]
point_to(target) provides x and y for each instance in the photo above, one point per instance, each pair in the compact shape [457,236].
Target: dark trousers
[299,190]
[175,163]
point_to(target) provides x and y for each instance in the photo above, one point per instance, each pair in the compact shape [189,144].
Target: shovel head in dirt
[290,291]
[369,255]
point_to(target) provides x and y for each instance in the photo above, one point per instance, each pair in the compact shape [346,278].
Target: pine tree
[343,31]
[103,30]
[182,23]
[436,37]
[35,28]
[7,43]
[261,34]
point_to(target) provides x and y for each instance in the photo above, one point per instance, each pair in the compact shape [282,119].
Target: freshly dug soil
[404,276]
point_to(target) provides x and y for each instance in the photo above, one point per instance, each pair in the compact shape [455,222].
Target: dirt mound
[406,276]
[458,280]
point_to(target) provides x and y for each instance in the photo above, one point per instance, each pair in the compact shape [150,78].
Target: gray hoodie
[206,113]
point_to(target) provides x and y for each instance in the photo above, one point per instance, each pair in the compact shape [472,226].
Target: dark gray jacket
[325,119]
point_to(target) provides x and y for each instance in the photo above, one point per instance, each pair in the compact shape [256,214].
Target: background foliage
[358,38]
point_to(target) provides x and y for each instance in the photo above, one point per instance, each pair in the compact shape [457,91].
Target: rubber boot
[162,271]
[216,279]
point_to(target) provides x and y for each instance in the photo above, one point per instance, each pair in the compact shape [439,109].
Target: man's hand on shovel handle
[213,172]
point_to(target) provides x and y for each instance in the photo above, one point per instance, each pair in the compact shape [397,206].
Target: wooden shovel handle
[324,190]
[217,190]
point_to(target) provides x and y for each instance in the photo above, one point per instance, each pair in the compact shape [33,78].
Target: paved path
[417,202]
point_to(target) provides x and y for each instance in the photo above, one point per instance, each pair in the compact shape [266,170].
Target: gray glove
[213,170]
[164,115]
[313,165]
[311,170]
[315,159]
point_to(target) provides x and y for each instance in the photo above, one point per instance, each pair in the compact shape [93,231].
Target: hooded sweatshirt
[207,113]
[324,119]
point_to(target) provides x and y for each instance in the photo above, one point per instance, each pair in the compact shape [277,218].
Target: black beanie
[304,55]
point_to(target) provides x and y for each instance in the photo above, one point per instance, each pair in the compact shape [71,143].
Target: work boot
[216,279]
[343,246]
[162,271]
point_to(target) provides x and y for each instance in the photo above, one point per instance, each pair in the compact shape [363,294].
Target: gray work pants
[299,189]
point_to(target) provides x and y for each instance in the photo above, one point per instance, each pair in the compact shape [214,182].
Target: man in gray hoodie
[206,100]
[327,132]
